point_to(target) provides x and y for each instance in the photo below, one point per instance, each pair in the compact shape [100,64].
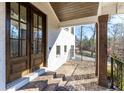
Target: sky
[114,19]
[85,31]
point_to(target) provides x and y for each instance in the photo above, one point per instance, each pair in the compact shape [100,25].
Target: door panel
[17,55]
[36,42]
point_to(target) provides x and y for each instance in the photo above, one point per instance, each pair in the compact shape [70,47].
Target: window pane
[72,30]
[35,20]
[72,50]
[39,45]
[65,48]
[40,22]
[40,34]
[35,47]
[23,31]
[23,49]
[14,10]
[23,14]
[14,47]
[14,29]
[35,34]
[57,50]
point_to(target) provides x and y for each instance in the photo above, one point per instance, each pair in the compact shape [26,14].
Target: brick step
[55,80]
[72,85]
[35,85]
[79,84]
[84,81]
[79,77]
[61,88]
[51,87]
[59,76]
[77,87]
[92,86]
[52,78]
[47,75]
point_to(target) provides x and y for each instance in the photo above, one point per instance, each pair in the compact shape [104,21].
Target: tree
[116,37]
[115,33]
[92,39]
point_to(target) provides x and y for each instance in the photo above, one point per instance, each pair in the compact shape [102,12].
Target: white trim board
[24,80]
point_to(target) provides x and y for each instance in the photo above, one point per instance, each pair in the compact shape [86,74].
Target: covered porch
[57,20]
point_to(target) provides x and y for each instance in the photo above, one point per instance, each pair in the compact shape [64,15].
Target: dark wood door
[25,40]
[17,41]
[37,53]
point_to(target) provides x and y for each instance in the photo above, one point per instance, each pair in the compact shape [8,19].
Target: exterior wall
[2,48]
[64,38]
[110,8]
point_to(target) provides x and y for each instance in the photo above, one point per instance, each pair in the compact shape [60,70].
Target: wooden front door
[17,41]
[25,39]
[37,46]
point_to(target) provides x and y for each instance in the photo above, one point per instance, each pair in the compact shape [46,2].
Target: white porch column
[2,47]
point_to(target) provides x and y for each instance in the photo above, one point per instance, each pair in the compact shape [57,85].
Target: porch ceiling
[73,10]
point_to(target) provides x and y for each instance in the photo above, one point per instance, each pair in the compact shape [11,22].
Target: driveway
[85,58]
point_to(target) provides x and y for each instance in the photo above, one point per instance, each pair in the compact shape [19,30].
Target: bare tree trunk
[92,38]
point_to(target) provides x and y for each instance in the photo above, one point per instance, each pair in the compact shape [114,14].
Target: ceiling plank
[73,10]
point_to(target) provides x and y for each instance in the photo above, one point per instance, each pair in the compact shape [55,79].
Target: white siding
[64,38]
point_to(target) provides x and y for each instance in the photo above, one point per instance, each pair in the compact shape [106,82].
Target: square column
[102,50]
[2,47]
